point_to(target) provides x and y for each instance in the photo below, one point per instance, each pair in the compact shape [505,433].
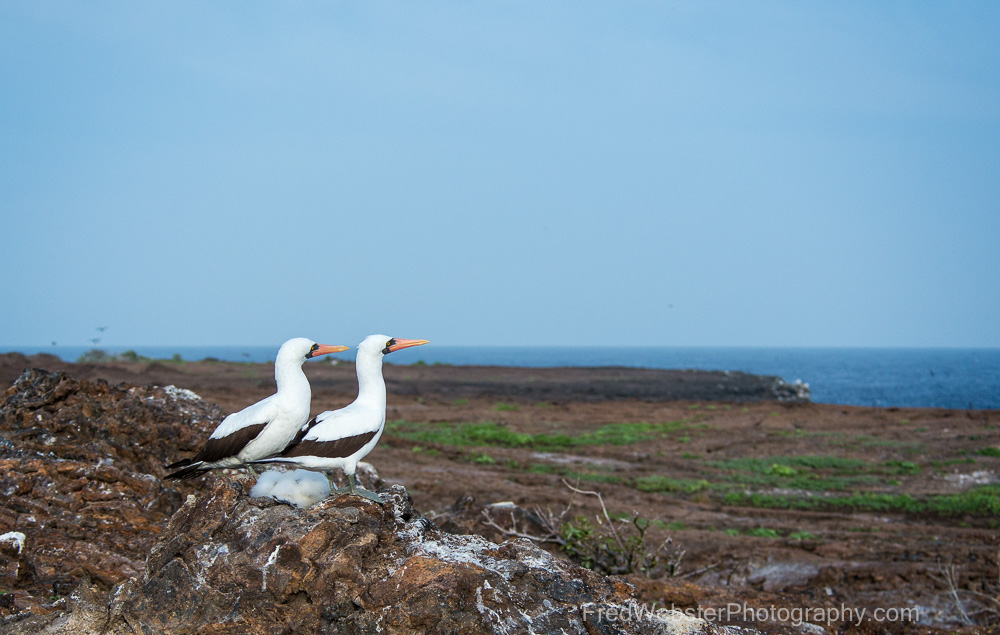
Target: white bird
[267,426]
[340,438]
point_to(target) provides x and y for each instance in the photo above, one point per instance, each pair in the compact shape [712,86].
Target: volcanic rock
[227,563]
[82,463]
[608,383]
[80,468]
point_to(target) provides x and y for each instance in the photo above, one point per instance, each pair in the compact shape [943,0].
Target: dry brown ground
[793,558]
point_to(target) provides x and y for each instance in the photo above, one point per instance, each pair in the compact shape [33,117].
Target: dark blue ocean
[918,377]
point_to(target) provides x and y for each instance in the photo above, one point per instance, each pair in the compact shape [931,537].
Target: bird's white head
[298,349]
[383,345]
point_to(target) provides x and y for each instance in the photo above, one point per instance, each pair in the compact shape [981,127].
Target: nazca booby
[340,438]
[265,427]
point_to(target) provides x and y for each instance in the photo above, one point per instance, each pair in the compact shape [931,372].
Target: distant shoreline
[447,381]
[907,378]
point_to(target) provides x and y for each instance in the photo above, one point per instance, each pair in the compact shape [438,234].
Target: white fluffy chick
[302,488]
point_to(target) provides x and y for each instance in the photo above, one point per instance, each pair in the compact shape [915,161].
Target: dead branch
[950,579]
[632,555]
[604,509]
[548,521]
[691,574]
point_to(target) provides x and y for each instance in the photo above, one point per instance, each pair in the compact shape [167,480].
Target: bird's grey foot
[333,485]
[360,491]
[370,495]
[251,470]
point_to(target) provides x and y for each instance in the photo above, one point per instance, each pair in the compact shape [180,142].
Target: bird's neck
[371,386]
[291,378]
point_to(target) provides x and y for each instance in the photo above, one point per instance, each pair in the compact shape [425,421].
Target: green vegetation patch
[980,501]
[899,467]
[629,433]
[474,434]
[573,475]
[484,459]
[763,466]
[809,472]
[658,483]
[493,434]
[758,532]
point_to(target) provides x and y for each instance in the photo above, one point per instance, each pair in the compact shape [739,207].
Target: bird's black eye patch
[315,347]
[388,346]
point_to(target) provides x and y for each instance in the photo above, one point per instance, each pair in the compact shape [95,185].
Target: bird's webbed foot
[357,490]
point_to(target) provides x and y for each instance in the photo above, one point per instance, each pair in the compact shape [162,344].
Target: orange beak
[325,349]
[401,344]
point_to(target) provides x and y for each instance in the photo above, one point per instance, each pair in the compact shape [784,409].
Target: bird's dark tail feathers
[189,469]
[181,463]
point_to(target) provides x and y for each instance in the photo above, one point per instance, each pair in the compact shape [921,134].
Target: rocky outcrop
[791,391]
[608,383]
[227,563]
[98,555]
[80,468]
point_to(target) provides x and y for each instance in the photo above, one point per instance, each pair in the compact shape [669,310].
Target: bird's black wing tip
[189,472]
[179,464]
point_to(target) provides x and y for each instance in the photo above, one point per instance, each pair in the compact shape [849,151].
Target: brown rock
[227,563]
[80,468]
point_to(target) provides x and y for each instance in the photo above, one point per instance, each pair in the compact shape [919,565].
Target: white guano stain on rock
[206,556]
[271,560]
[181,393]
[15,537]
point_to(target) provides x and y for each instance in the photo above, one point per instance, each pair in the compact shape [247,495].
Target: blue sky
[557,173]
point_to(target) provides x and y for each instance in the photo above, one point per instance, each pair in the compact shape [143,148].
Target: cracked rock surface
[227,563]
[80,468]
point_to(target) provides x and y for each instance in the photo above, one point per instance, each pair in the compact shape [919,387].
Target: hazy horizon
[41,348]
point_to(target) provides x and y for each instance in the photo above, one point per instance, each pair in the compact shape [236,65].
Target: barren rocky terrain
[767,504]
